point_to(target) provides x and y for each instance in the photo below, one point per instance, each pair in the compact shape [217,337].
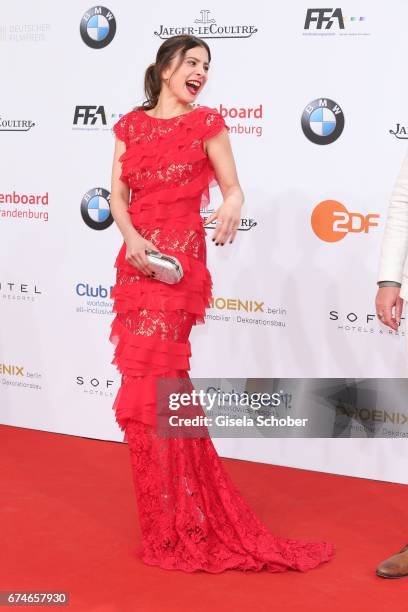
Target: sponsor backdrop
[315,101]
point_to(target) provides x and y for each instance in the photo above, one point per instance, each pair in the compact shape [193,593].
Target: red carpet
[68,522]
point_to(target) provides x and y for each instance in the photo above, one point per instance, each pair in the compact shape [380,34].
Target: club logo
[89,290]
[97,27]
[95,208]
[322,121]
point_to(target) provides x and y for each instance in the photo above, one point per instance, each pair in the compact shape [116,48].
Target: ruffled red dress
[191,516]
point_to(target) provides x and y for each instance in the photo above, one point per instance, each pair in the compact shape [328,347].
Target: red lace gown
[191,516]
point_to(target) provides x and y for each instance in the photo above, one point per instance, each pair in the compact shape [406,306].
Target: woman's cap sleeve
[213,124]
[120,128]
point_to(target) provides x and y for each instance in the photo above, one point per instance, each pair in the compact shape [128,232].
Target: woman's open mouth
[193,86]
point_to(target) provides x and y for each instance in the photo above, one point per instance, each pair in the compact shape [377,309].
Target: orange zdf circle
[330,220]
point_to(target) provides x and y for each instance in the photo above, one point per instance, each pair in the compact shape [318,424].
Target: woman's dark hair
[164,56]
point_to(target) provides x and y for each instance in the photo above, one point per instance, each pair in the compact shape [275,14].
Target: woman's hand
[388,298]
[227,217]
[136,247]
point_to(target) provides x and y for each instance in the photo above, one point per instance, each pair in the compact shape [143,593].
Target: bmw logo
[95,209]
[322,121]
[98,27]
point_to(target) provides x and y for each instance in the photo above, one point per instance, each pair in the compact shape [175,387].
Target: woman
[168,153]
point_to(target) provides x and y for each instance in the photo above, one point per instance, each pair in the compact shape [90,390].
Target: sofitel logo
[19,292]
[206,27]
[10,287]
[95,386]
[363,323]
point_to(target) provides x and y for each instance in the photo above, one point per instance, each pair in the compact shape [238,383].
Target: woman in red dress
[167,154]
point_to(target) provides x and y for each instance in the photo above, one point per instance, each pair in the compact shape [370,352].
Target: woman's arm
[219,151]
[119,200]
[136,245]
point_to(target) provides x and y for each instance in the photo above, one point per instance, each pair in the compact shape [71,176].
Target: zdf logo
[331,221]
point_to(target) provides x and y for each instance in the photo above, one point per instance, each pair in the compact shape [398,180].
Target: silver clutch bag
[167,268]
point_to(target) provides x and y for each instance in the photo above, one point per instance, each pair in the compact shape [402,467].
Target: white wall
[47,70]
